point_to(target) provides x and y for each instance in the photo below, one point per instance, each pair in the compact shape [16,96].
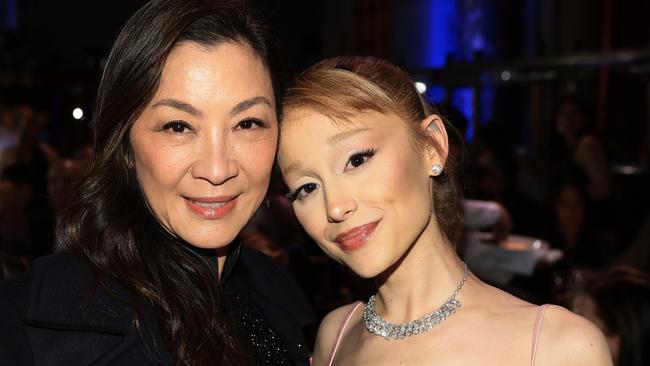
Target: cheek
[311,219]
[257,157]
[400,181]
[159,169]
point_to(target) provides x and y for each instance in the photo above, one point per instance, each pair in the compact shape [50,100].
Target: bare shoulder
[327,332]
[569,339]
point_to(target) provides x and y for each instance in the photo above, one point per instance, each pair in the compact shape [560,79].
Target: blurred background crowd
[552,98]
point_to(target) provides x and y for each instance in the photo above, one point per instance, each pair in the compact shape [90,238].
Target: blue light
[456,31]
[462,99]
[12,19]
[441,32]
[488,91]
[436,94]
[8,17]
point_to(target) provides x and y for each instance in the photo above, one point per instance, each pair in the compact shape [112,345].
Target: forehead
[297,120]
[201,72]
[305,130]
[305,121]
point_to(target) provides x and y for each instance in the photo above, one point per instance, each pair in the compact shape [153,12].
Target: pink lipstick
[355,238]
[211,208]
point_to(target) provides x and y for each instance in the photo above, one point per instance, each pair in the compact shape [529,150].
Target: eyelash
[176,124]
[300,194]
[254,121]
[367,154]
[173,125]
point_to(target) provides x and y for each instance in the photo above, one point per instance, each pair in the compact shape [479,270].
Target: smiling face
[360,189]
[204,146]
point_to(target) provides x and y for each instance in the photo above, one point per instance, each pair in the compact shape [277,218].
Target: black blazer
[55,315]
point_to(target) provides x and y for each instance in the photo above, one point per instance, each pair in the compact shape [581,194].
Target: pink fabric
[536,332]
[340,334]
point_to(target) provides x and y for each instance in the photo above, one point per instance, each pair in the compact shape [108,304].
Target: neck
[422,280]
[222,255]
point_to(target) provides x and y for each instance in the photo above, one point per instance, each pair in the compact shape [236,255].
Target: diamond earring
[436,169]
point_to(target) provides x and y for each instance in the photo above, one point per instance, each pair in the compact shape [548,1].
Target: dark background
[503,65]
[599,49]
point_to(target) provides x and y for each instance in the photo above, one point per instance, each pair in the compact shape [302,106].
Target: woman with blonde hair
[373,181]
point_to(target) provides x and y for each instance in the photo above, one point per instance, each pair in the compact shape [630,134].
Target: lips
[211,208]
[355,238]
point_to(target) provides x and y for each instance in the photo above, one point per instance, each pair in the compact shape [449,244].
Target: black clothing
[57,315]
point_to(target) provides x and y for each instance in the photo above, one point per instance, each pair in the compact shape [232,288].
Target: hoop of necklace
[378,326]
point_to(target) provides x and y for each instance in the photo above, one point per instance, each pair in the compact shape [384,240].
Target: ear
[438,148]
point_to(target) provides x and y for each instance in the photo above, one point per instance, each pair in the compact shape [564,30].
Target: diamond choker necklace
[378,326]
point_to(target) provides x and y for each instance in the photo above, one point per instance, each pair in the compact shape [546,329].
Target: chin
[208,240]
[366,271]
[209,245]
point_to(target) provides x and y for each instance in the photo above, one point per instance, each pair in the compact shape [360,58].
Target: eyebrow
[177,104]
[344,135]
[330,141]
[294,166]
[190,109]
[248,104]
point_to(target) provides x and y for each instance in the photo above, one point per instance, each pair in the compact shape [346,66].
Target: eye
[250,123]
[302,192]
[358,159]
[176,127]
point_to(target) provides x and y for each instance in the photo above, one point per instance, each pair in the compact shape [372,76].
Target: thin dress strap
[537,331]
[341,330]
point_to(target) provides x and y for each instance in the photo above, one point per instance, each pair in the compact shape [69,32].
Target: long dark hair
[108,223]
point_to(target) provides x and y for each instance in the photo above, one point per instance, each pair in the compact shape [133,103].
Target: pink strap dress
[536,332]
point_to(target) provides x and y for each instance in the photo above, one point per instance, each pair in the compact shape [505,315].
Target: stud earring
[436,169]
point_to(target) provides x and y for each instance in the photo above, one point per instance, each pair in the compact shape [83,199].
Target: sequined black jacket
[55,315]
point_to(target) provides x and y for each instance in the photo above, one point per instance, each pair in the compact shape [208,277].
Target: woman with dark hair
[619,303]
[575,142]
[185,133]
[373,181]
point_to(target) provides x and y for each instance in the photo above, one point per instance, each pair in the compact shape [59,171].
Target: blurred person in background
[571,225]
[16,197]
[618,302]
[576,143]
[62,176]
[26,221]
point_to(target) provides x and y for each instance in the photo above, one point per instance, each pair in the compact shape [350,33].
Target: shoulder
[24,297]
[328,331]
[54,268]
[49,272]
[57,277]
[15,348]
[569,339]
[62,291]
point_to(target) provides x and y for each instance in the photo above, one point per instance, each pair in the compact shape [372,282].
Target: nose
[215,162]
[339,205]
